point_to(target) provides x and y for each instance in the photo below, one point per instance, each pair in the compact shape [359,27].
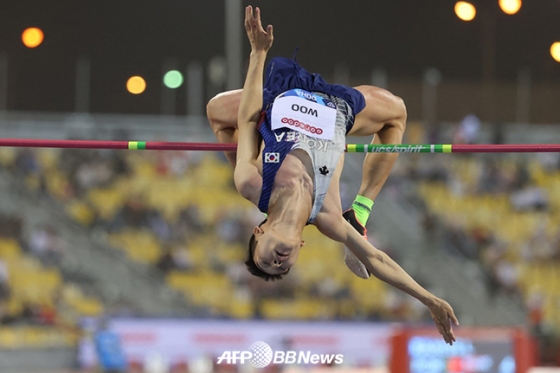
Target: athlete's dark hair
[252,266]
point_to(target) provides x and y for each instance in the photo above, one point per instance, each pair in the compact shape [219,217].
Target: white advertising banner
[181,341]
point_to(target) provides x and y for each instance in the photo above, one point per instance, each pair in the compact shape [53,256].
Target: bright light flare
[555,51]
[32,37]
[136,85]
[465,11]
[173,79]
[510,6]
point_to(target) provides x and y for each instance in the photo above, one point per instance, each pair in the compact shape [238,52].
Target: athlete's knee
[221,110]
[395,115]
[400,112]
[213,111]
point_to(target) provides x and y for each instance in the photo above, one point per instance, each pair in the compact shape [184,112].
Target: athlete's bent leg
[222,116]
[385,117]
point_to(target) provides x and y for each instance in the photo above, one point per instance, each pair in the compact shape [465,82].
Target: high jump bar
[350,148]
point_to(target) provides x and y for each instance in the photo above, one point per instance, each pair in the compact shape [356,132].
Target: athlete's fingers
[269,31]
[453,317]
[258,19]
[248,16]
[443,330]
[448,332]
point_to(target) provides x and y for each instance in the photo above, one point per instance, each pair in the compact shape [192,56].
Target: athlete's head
[271,253]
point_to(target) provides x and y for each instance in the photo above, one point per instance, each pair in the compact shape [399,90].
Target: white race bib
[304,112]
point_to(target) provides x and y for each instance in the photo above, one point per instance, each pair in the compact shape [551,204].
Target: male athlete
[373,111]
[291,135]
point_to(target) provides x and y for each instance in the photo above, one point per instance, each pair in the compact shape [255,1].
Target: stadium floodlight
[32,37]
[555,51]
[510,6]
[465,11]
[173,79]
[136,85]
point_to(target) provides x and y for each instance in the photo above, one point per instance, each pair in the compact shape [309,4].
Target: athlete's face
[275,253]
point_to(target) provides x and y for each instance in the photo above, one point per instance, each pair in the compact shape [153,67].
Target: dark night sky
[125,38]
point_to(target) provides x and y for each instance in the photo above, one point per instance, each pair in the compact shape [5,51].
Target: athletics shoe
[351,261]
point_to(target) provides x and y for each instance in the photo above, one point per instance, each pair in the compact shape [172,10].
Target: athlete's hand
[443,316]
[260,40]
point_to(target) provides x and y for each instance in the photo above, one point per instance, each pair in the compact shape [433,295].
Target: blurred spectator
[539,247]
[189,223]
[47,244]
[173,163]
[535,305]
[467,131]
[11,226]
[550,162]
[531,198]
[238,275]
[521,178]
[133,214]
[158,225]
[4,283]
[165,262]
[182,259]
[47,315]
[490,179]
[507,275]
[177,258]
[26,162]
[457,240]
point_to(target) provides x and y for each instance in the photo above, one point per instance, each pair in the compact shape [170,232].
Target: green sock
[362,206]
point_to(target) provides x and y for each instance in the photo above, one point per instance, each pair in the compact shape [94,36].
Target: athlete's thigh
[332,203]
[382,108]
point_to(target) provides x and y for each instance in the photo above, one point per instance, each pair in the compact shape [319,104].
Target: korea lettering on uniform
[312,143]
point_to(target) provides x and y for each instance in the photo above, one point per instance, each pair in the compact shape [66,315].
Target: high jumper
[291,135]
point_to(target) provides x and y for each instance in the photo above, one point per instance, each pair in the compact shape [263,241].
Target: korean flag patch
[272,157]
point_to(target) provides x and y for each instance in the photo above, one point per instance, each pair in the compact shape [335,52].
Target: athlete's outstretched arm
[386,269]
[246,177]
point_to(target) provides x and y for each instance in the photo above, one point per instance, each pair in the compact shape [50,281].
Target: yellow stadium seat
[208,289]
[296,309]
[240,309]
[106,201]
[8,338]
[48,158]
[88,307]
[81,212]
[7,156]
[9,248]
[57,183]
[139,245]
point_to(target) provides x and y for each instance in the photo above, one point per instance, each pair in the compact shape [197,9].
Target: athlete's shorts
[283,74]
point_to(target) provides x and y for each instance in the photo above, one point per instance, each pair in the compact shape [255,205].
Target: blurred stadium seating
[180,213]
[504,212]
